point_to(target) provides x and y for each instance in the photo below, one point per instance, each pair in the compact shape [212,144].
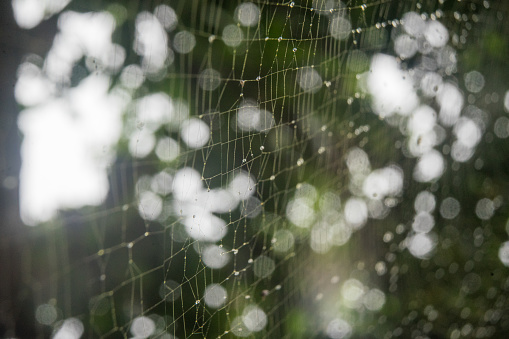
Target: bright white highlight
[422,120]
[374,299]
[503,253]
[242,186]
[71,328]
[150,205]
[142,327]
[80,34]
[215,257]
[421,245]
[61,147]
[467,132]
[132,77]
[484,209]
[247,14]
[184,42]
[356,212]
[423,222]
[197,205]
[357,161]
[300,212]
[232,35]
[161,183]
[151,41]
[252,118]
[141,143]
[405,46]
[32,87]
[205,226]
[167,16]
[167,149]
[501,127]
[413,24]
[474,81]
[424,202]
[450,100]
[429,167]
[430,84]
[338,329]
[186,184]
[384,182]
[215,296]
[29,13]
[450,208]
[392,89]
[195,133]
[352,292]
[254,318]
[436,33]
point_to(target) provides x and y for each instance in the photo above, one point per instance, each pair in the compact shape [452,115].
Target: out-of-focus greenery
[463,284]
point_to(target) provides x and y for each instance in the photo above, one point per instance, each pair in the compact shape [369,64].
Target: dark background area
[15,296]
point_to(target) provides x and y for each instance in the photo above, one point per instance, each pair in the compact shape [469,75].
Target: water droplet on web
[279,39]
[321,150]
[258,78]
[212,38]
[262,148]
[197,302]
[250,261]
[292,4]
[300,162]
[235,251]
[266,38]
[294,49]
[236,273]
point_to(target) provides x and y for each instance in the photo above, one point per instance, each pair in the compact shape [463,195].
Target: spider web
[271,169]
